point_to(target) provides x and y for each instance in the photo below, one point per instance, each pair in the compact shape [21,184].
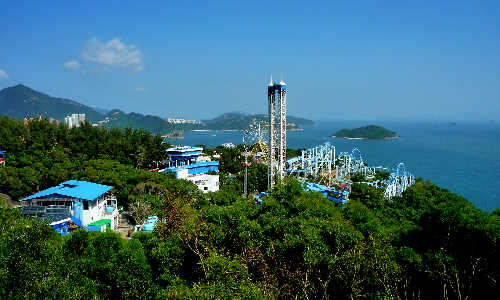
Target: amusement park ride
[277,132]
[266,142]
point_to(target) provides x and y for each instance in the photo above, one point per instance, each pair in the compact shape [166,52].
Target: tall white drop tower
[277,132]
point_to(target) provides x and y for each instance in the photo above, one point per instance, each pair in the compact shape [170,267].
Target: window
[85,205]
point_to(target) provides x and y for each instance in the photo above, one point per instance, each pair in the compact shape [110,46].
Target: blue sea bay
[463,158]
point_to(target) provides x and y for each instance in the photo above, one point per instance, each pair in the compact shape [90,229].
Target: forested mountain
[101,111]
[153,124]
[245,116]
[240,121]
[371,132]
[226,117]
[428,243]
[23,102]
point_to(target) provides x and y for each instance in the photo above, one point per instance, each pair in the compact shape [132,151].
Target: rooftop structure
[72,189]
[184,162]
[58,216]
[184,155]
[89,202]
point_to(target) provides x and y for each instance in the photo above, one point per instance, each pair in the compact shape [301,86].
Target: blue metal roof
[196,168]
[316,187]
[73,189]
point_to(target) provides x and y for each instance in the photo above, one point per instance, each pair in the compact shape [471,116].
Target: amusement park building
[91,205]
[57,216]
[186,164]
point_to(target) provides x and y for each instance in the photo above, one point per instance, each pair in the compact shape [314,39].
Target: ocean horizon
[463,157]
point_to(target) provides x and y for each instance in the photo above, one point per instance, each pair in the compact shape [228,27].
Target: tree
[141,209]
[358,177]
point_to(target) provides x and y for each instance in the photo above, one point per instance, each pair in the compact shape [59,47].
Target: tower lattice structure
[277,132]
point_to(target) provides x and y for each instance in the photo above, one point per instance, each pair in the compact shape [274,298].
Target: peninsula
[371,132]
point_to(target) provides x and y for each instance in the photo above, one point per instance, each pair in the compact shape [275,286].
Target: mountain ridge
[21,102]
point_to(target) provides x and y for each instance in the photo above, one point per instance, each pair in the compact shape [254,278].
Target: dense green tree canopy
[371,132]
[427,243]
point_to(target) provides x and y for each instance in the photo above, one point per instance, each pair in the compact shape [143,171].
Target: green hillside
[153,124]
[21,102]
[427,243]
[371,132]
[240,121]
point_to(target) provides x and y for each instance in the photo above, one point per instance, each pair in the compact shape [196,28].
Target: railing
[111,206]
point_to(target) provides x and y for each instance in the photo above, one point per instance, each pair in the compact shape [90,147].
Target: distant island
[371,132]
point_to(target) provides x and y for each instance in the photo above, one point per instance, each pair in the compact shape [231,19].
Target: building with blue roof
[186,164]
[89,202]
[184,155]
[57,216]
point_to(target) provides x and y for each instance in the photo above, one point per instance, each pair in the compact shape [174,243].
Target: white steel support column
[282,128]
[277,132]
[271,97]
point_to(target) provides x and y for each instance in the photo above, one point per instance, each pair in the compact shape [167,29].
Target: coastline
[178,135]
[200,130]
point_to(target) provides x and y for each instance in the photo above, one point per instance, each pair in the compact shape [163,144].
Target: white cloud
[141,89]
[4,75]
[72,64]
[114,53]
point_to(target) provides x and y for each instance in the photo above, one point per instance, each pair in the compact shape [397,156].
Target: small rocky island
[371,132]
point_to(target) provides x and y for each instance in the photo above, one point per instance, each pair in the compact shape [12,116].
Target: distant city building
[102,122]
[54,121]
[31,119]
[182,121]
[74,120]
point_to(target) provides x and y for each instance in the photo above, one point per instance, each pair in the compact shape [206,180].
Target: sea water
[463,158]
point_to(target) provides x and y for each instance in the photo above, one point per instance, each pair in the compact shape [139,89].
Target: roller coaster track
[398,182]
[320,161]
[349,164]
[313,161]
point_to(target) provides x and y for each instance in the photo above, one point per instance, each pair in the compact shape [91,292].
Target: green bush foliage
[371,132]
[427,243]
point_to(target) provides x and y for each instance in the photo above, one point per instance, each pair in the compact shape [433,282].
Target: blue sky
[199,59]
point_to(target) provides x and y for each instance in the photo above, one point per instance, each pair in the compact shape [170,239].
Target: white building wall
[97,211]
[74,120]
[206,183]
